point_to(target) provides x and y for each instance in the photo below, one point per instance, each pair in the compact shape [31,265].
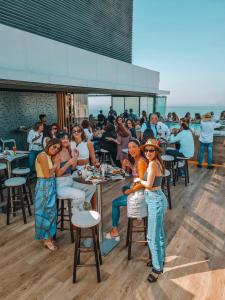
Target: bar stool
[166,183]
[24,172]
[105,156]
[87,220]
[17,185]
[181,159]
[62,217]
[3,167]
[136,210]
[169,162]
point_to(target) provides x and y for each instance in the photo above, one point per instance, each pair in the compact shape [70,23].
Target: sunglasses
[76,131]
[149,150]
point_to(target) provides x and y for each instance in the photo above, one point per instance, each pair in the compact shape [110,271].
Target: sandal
[109,236]
[50,246]
[153,276]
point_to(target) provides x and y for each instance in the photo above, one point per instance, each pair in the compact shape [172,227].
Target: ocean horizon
[103,103]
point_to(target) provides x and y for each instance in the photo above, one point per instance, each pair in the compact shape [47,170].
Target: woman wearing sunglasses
[157,206]
[137,164]
[45,195]
[85,155]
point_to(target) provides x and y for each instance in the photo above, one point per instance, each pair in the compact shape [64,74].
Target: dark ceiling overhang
[23,86]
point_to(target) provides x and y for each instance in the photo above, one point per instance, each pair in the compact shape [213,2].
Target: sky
[185,41]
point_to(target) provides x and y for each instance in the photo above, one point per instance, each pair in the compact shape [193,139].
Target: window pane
[118,104]
[132,102]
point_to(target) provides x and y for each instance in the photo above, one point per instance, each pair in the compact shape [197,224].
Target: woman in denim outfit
[157,206]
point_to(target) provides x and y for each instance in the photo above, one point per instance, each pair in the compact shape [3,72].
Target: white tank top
[82,149]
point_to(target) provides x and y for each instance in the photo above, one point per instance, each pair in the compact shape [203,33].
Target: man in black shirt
[101,119]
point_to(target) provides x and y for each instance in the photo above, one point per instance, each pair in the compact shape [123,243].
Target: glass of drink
[14,150]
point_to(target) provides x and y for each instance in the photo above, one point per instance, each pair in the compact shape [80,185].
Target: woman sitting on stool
[138,165]
[86,155]
[64,182]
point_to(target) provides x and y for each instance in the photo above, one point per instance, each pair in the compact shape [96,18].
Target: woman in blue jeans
[157,206]
[137,163]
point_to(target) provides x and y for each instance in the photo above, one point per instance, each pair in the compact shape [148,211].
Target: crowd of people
[54,154]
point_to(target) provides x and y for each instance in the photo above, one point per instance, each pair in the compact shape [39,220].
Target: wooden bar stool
[86,220]
[186,169]
[24,172]
[136,210]
[166,185]
[17,185]
[169,163]
[3,167]
[62,204]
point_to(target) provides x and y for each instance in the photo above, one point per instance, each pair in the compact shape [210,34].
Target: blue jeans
[116,204]
[157,206]
[202,147]
[31,160]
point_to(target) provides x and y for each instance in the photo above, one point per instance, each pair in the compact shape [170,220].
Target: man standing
[206,139]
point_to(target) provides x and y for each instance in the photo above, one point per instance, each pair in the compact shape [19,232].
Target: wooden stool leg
[27,200]
[76,255]
[62,215]
[71,225]
[130,238]
[128,228]
[172,171]
[98,245]
[8,207]
[96,255]
[1,192]
[29,190]
[22,204]
[168,192]
[145,228]
[185,173]
[187,167]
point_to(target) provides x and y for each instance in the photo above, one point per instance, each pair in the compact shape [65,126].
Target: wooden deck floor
[195,263]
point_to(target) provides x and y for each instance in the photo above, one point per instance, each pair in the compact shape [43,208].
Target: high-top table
[9,158]
[106,244]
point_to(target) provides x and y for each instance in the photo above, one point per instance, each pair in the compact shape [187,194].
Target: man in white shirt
[186,141]
[35,139]
[157,127]
[206,139]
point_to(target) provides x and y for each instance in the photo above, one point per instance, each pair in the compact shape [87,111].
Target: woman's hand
[126,163]
[72,161]
[127,192]
[76,154]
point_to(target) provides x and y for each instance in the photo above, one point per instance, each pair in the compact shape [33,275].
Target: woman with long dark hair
[123,137]
[157,206]
[45,194]
[108,141]
[130,124]
[137,164]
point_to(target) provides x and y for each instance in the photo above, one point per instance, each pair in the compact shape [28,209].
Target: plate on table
[22,152]
[117,171]
[117,177]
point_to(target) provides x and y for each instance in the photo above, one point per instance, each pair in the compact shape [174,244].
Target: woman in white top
[34,139]
[85,148]
[86,155]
